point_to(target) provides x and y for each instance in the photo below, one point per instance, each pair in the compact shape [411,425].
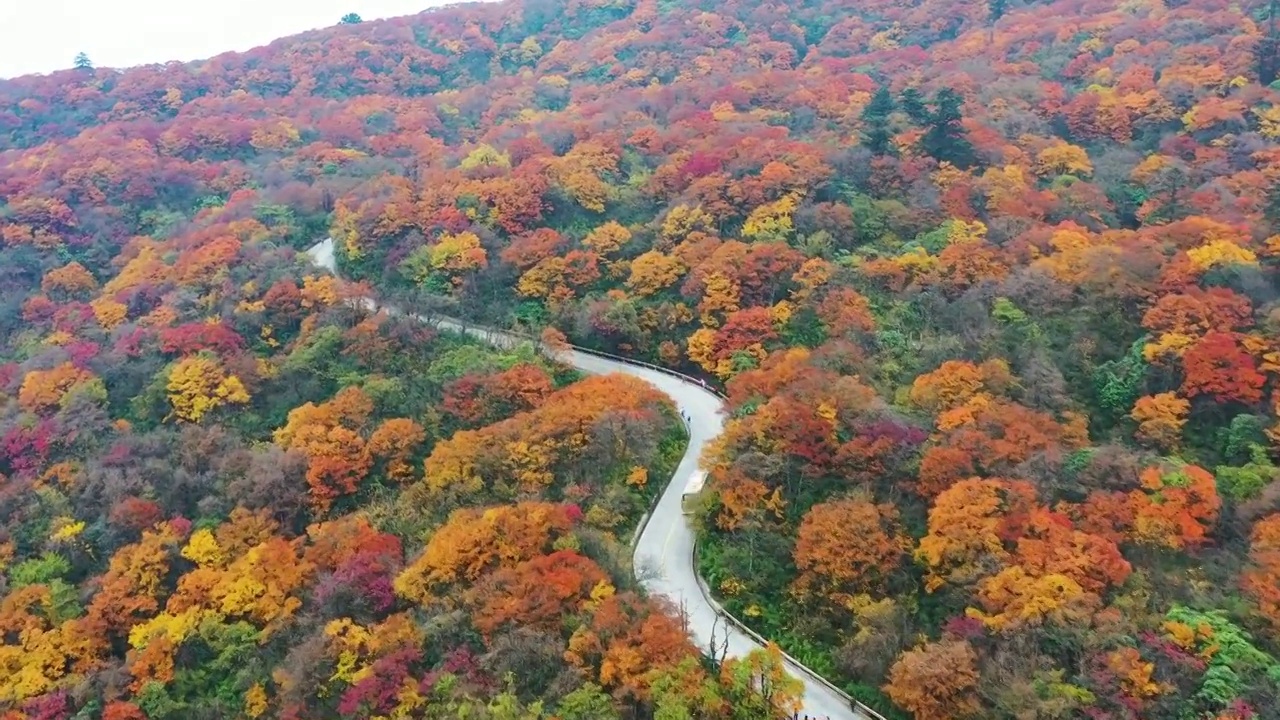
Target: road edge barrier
[705,589]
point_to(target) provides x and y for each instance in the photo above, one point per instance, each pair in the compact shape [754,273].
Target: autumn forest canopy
[992,288]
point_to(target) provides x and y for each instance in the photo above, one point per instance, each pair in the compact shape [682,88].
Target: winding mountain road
[664,555]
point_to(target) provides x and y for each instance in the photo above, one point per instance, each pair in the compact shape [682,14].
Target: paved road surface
[664,555]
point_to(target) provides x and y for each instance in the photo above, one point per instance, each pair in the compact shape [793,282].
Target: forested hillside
[993,289]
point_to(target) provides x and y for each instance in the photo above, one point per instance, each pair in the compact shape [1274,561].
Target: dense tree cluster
[227,492]
[991,288]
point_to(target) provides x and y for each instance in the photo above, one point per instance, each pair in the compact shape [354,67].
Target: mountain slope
[990,286]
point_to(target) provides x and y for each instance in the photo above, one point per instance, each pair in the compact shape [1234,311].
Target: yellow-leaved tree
[485,156]
[607,238]
[457,254]
[199,384]
[771,221]
[653,272]
[1063,158]
[108,312]
[1160,419]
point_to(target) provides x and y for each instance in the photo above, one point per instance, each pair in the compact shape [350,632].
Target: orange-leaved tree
[1160,419]
[329,435]
[955,382]
[538,592]
[631,640]
[475,541]
[967,526]
[846,548]
[1262,579]
[42,390]
[69,281]
[936,681]
[394,442]
[1176,507]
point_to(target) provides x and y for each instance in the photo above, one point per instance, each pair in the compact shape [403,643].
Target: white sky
[40,36]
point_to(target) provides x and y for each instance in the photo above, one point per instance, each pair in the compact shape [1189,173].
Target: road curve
[664,555]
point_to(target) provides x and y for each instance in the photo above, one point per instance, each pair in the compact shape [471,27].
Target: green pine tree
[996,9]
[1266,53]
[912,103]
[82,62]
[877,135]
[1271,211]
[944,138]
